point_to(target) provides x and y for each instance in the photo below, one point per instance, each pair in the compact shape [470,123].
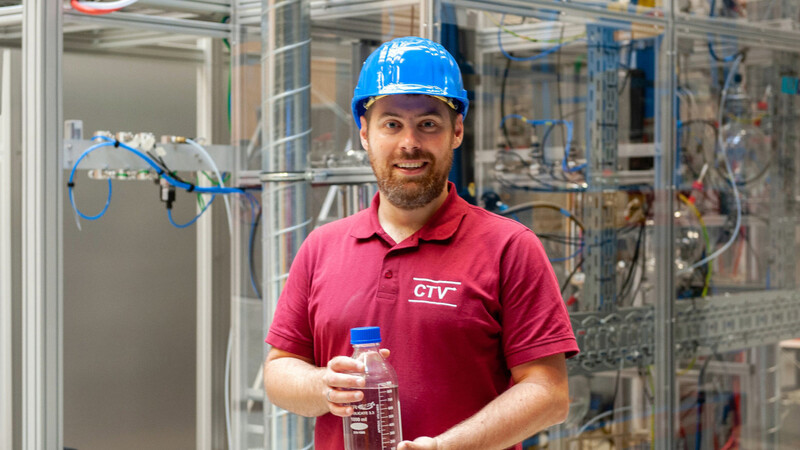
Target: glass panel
[590,126]
[782,14]
[597,212]
[734,126]
[564,138]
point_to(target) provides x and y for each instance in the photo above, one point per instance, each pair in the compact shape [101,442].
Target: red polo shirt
[459,302]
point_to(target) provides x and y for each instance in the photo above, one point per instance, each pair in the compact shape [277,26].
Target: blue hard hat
[410,65]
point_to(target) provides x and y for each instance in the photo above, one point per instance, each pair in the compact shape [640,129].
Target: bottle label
[375,423]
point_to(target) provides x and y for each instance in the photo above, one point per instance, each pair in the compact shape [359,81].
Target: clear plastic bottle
[375,423]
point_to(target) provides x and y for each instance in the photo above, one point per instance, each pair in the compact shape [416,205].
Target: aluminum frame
[42,32]
[664,386]
[179,157]
[42,252]
[210,100]
[6,320]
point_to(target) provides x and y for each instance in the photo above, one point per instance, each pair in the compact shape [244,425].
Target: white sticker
[359,426]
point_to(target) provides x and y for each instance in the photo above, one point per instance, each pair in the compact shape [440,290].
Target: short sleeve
[535,320]
[290,329]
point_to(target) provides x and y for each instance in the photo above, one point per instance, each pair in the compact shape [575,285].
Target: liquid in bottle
[375,423]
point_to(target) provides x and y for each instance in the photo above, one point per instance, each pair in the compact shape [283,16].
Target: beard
[413,192]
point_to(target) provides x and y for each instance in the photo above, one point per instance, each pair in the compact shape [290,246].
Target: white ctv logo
[433,291]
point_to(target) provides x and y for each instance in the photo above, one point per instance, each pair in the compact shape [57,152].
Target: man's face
[410,141]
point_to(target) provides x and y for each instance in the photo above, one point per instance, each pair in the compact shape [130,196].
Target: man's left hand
[420,443]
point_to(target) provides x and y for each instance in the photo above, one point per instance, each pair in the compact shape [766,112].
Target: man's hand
[342,379]
[420,443]
[538,399]
[341,382]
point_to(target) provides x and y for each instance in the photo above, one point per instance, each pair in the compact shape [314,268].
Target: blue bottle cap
[365,335]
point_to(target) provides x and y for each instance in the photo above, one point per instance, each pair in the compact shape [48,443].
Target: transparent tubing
[286,131]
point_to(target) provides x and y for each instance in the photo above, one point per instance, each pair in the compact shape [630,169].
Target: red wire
[77,6]
[733,441]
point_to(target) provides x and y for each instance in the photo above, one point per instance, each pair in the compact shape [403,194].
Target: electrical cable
[251,254]
[542,54]
[191,222]
[736,195]
[701,399]
[162,171]
[688,367]
[634,261]
[543,142]
[568,257]
[98,8]
[703,227]
[214,182]
[166,169]
[601,416]
[545,186]
[711,51]
[71,186]
[228,45]
[213,165]
[556,207]
[559,99]
[226,177]
[557,238]
[628,69]
[503,102]
[227,387]
[568,124]
[572,274]
[709,123]
[543,204]
[171,179]
[95,217]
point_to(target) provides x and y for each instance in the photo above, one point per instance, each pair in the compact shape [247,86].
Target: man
[466,300]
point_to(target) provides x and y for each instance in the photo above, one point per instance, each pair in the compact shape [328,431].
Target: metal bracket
[325,176]
[702,327]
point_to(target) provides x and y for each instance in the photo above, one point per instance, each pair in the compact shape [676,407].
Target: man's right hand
[342,380]
[296,384]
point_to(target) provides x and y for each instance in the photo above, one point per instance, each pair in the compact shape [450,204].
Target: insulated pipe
[286,106]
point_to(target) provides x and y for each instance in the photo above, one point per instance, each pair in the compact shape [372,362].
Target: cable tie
[116,143]
[191,188]
[70,184]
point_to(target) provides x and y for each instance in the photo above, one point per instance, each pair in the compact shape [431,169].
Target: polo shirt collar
[441,226]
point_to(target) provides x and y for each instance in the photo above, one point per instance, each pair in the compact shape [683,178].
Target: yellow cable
[705,236]
[688,368]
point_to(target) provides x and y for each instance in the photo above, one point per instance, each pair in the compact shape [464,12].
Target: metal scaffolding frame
[42,253]
[6,319]
[38,25]
[42,32]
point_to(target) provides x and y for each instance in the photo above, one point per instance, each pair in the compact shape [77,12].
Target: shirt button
[388,274]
